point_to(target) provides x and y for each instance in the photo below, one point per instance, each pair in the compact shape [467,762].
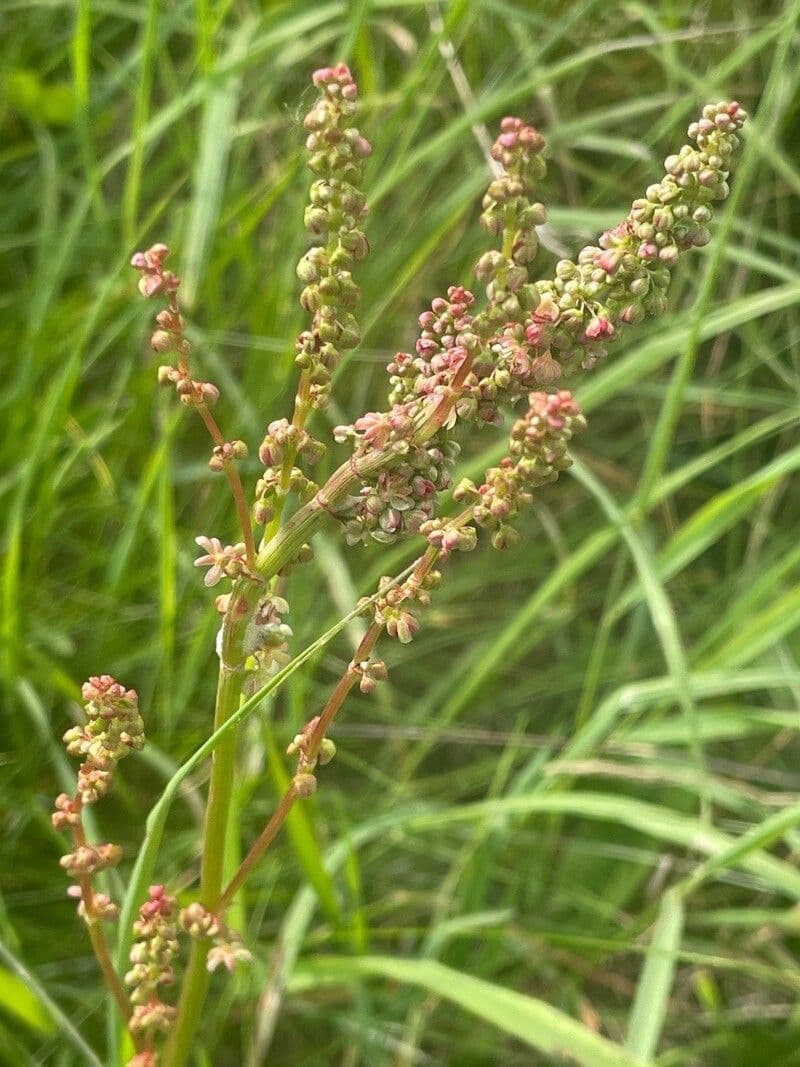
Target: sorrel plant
[472,361]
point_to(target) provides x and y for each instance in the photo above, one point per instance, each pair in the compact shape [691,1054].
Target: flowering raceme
[472,362]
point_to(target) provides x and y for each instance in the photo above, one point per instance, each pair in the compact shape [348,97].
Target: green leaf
[19,1000]
[212,162]
[529,1019]
[650,1004]
[19,986]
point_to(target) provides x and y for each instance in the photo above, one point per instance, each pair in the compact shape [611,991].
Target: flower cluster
[393,606]
[465,365]
[154,279]
[447,337]
[400,500]
[225,454]
[87,860]
[227,949]
[113,730]
[508,208]
[169,337]
[309,755]
[266,640]
[152,956]
[334,218]
[625,276]
[101,905]
[370,673]
[283,443]
[538,453]
[447,536]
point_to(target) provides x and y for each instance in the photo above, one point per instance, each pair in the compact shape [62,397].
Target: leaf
[19,1000]
[653,820]
[529,1019]
[212,162]
[662,616]
[18,985]
[649,1009]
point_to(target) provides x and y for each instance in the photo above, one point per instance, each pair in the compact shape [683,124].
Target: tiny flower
[143,1059]
[545,370]
[229,561]
[402,625]
[227,453]
[198,921]
[103,907]
[67,812]
[154,279]
[600,326]
[152,1017]
[305,785]
[327,751]
[227,954]
[88,859]
[152,956]
[371,672]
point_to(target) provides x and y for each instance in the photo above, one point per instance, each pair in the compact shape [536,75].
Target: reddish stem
[257,849]
[96,935]
[235,482]
[328,714]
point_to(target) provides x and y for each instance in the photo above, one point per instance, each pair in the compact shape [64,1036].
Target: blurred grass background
[587,720]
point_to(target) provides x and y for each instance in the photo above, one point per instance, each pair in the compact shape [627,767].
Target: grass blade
[651,1001]
[530,1020]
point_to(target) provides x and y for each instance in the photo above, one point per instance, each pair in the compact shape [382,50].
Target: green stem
[229,691]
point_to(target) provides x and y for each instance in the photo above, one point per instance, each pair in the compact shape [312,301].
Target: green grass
[571,817]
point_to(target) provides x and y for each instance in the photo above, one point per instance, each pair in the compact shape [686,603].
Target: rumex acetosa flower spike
[113,730]
[334,218]
[169,337]
[509,209]
[624,278]
[284,442]
[537,455]
[152,957]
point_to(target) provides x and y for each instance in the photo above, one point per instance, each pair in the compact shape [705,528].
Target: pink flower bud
[599,327]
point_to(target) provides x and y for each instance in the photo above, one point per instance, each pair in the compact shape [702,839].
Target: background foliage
[588,719]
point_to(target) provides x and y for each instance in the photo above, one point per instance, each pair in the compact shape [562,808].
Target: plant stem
[302,407]
[343,687]
[235,483]
[271,830]
[275,554]
[229,690]
[96,935]
[100,946]
[258,848]
[218,437]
